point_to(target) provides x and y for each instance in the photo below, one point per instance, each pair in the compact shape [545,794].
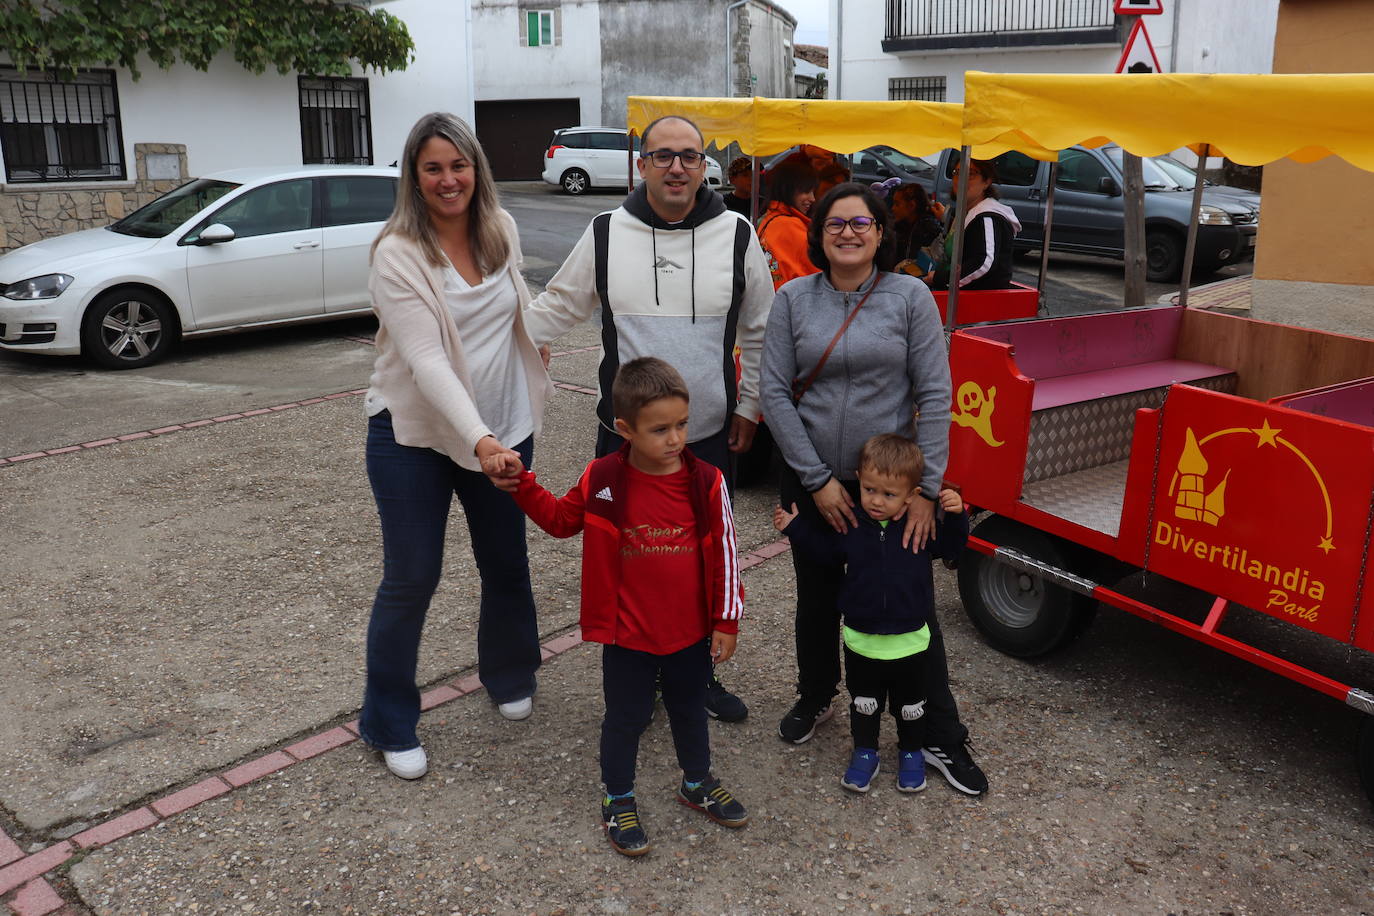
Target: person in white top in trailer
[688,283]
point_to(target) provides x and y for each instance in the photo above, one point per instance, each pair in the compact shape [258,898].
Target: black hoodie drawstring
[694,274]
[653,234]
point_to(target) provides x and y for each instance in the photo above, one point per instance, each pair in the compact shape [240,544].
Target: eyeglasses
[663,158]
[860,224]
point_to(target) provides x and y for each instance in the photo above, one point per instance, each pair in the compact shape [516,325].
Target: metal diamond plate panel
[1083,435]
[1092,498]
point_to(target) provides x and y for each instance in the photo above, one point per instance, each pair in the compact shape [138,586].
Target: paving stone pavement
[184,617]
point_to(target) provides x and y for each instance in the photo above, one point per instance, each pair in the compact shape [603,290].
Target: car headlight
[48,286]
[1213,216]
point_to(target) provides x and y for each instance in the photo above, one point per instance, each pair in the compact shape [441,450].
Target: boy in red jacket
[660,589]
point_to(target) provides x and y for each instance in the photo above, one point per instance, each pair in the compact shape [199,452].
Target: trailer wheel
[1018,613]
[1364,756]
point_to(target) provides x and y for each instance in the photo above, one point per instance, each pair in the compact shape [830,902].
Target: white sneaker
[411,764]
[517,709]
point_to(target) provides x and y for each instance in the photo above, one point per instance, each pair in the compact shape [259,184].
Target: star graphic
[1267,434]
[1326,545]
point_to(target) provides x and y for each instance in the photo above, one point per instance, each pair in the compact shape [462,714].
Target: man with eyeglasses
[672,274]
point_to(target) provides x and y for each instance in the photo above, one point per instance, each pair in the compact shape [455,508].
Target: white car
[581,158]
[232,250]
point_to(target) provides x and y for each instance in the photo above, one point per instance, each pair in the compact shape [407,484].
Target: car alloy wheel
[126,330]
[575,181]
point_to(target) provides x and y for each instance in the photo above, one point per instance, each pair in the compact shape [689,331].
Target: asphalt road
[48,402]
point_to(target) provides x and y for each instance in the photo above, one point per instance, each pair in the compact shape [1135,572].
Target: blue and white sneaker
[911,772]
[863,766]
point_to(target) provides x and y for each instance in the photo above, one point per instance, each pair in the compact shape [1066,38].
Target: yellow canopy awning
[762,126]
[1248,118]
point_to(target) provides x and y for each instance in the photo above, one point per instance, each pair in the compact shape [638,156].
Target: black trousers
[629,679]
[714,449]
[895,684]
[818,629]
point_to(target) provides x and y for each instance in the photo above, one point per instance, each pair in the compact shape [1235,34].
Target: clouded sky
[813,20]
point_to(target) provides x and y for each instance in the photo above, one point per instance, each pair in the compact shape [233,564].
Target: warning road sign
[1138,7]
[1139,54]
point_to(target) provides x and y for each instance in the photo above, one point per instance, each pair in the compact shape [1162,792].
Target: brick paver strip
[28,457]
[9,849]
[25,870]
[191,796]
[37,898]
[116,829]
[195,424]
[316,745]
[164,430]
[245,773]
[130,437]
[467,685]
[227,417]
[257,411]
[438,696]
[352,726]
[98,443]
[63,451]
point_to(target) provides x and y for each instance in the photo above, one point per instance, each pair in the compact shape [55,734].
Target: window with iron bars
[60,130]
[920,88]
[336,121]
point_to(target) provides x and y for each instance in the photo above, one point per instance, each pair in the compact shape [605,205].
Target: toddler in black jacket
[886,598]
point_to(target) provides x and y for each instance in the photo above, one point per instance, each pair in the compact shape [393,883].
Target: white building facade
[541,65]
[920,49]
[81,153]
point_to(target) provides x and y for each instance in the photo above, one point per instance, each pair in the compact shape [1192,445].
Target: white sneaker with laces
[516,710]
[411,764]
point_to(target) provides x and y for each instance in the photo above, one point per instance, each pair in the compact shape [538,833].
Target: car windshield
[1156,172]
[904,162]
[169,211]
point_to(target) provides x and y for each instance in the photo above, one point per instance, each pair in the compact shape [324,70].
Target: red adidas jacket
[600,521]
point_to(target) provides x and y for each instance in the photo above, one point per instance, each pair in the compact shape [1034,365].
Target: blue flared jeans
[414,488]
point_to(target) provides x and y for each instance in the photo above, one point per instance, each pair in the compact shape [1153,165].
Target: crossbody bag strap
[800,388]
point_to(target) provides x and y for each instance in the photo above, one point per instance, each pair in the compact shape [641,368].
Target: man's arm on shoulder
[570,297]
[753,318]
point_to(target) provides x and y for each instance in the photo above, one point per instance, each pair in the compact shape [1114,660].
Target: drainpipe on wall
[471,65]
[839,45]
[729,49]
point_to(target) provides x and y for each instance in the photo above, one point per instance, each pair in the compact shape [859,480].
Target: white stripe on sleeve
[989,246]
[734,604]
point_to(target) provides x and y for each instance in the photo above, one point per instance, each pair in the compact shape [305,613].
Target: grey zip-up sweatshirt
[890,361]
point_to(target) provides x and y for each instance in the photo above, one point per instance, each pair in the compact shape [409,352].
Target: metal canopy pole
[1045,242]
[957,227]
[754,189]
[1192,228]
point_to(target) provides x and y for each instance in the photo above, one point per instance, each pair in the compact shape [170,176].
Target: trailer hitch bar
[1205,632]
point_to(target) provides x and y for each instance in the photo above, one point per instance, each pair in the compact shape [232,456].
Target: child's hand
[782,517]
[951,501]
[722,646]
[503,470]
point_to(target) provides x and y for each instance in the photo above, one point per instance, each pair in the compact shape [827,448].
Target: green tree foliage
[309,36]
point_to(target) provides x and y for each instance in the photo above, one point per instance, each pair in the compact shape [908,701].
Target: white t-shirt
[485,316]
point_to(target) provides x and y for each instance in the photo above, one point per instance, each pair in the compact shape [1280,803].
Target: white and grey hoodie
[687,292]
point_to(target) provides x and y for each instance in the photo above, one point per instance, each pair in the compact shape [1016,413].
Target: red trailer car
[1232,455]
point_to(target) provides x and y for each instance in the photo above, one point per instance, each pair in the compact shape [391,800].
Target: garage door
[515,134]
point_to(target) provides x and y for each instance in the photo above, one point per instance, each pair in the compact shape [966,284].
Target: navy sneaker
[620,817]
[722,704]
[956,764]
[713,801]
[801,720]
[863,766]
[911,772]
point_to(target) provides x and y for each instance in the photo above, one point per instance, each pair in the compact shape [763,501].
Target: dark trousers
[897,684]
[629,679]
[414,488]
[714,450]
[818,629]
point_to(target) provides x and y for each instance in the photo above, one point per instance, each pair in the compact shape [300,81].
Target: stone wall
[32,212]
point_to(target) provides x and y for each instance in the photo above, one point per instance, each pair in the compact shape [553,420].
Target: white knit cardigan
[421,372]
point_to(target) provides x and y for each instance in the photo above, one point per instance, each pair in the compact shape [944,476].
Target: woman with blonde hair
[458,387]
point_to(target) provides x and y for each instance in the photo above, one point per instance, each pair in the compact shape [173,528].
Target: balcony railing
[914,25]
